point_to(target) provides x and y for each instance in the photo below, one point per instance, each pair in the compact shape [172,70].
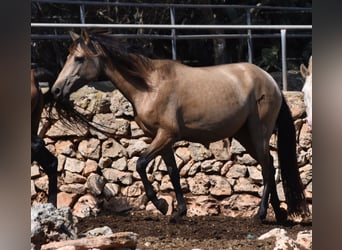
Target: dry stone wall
[220,179]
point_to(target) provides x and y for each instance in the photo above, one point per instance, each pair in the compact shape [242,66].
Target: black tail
[292,183]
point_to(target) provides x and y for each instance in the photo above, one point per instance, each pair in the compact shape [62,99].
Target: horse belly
[213,126]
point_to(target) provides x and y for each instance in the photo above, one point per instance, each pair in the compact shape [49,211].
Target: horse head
[82,66]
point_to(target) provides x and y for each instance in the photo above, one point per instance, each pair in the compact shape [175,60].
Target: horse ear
[85,36]
[74,36]
[303,70]
[310,65]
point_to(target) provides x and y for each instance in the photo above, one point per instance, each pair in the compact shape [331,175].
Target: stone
[306,174]
[70,177]
[120,240]
[183,172]
[73,165]
[240,205]
[305,136]
[221,150]
[35,171]
[199,152]
[114,175]
[202,206]
[76,188]
[236,171]
[105,230]
[51,224]
[255,175]
[59,129]
[183,153]
[111,190]
[33,189]
[113,149]
[134,190]
[136,131]
[90,167]
[112,125]
[120,164]
[61,161]
[304,239]
[194,169]
[245,159]
[284,242]
[90,148]
[65,199]
[120,106]
[243,185]
[65,147]
[42,183]
[86,206]
[135,147]
[166,184]
[237,148]
[95,183]
[211,166]
[199,184]
[295,101]
[105,162]
[219,186]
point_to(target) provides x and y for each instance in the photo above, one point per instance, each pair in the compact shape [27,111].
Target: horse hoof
[259,218]
[175,218]
[163,206]
[281,216]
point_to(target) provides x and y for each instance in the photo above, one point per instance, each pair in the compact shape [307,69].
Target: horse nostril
[56,92]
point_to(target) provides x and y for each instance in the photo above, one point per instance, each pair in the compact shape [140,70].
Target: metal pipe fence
[280,30]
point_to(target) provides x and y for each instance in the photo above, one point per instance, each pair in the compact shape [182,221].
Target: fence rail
[281,30]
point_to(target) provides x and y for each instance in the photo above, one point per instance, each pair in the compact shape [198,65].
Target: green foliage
[270,58]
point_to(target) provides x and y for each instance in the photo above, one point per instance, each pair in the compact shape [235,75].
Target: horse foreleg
[49,163]
[157,145]
[170,162]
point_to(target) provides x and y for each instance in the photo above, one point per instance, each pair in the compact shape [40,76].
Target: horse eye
[79,59]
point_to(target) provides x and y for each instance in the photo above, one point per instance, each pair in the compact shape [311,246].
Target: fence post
[82,15]
[283,58]
[249,38]
[173,34]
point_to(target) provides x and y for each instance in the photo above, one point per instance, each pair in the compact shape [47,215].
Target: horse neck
[125,85]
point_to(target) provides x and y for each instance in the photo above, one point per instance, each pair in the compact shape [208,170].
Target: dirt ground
[201,232]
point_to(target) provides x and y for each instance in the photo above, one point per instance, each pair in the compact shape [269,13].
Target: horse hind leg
[257,145]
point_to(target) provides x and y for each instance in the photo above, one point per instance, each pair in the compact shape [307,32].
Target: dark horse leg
[170,162]
[48,161]
[159,143]
[258,147]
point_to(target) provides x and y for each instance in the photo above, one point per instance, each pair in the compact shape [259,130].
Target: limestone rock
[85,206]
[120,240]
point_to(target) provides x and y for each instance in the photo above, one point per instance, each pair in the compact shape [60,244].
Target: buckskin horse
[174,102]
[39,152]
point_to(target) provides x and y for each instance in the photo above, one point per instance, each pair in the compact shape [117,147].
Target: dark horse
[39,152]
[175,102]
